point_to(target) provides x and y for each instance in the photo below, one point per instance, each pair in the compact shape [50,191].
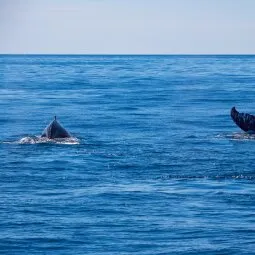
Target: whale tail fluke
[243,120]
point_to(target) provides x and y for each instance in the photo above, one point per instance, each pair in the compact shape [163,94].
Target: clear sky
[127,26]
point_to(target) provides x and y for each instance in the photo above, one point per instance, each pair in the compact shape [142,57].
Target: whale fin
[243,120]
[55,130]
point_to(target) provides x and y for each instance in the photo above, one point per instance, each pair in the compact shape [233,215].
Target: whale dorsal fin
[55,130]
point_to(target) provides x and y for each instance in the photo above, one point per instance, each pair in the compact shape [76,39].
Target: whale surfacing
[243,120]
[55,130]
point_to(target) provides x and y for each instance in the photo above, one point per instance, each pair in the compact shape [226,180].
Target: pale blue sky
[127,26]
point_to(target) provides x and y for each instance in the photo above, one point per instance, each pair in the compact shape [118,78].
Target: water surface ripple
[160,168]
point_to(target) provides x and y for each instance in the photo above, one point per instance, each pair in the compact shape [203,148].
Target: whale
[55,130]
[245,121]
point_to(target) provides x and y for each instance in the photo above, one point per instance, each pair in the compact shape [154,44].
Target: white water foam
[39,140]
[237,136]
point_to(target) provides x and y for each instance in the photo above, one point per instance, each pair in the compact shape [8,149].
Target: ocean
[158,166]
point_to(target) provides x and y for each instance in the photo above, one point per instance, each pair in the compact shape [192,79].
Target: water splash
[237,136]
[43,140]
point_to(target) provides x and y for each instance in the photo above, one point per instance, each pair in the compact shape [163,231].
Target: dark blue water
[160,168]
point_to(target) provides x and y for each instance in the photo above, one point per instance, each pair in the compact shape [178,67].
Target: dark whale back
[55,130]
[243,120]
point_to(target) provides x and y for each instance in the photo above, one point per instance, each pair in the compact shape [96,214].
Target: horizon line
[128,54]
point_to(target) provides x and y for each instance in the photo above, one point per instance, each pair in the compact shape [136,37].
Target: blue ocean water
[160,168]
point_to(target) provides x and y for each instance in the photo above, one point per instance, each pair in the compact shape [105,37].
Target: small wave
[208,177]
[42,140]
